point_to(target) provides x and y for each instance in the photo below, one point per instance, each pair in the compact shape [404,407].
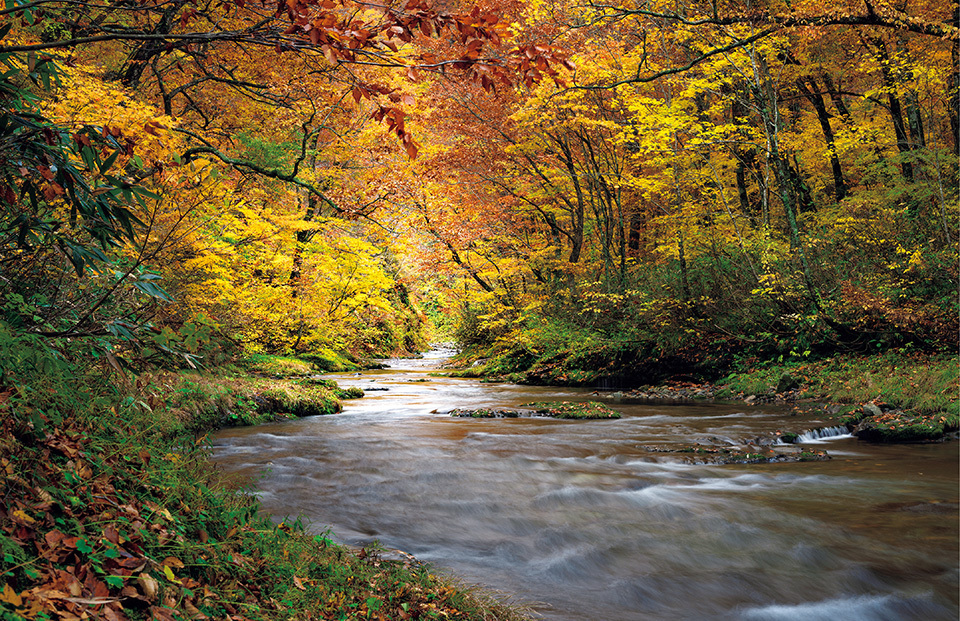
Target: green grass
[197,402]
[277,366]
[926,384]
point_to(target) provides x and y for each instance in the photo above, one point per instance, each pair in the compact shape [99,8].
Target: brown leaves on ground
[90,548]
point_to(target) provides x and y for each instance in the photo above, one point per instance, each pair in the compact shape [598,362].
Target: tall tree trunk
[815,97]
[576,218]
[684,277]
[742,188]
[767,101]
[836,98]
[953,86]
[137,62]
[896,111]
[915,122]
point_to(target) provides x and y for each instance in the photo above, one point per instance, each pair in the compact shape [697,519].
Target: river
[581,520]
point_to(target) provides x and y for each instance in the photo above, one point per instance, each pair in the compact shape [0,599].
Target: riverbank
[891,397]
[112,511]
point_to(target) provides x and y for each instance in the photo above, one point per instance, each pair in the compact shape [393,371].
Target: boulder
[787,383]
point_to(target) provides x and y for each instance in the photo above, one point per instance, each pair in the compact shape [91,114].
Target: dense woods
[571,191]
[315,177]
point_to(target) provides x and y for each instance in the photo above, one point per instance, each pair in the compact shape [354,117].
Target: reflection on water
[579,517]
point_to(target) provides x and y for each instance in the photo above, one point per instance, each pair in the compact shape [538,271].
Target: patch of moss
[276,366]
[330,361]
[573,410]
[484,413]
[297,400]
[850,415]
[901,426]
[353,392]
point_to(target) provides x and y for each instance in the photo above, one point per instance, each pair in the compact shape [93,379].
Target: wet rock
[787,383]
[486,413]
[872,410]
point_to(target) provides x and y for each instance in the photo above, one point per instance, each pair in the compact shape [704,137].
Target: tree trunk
[953,86]
[836,98]
[815,97]
[137,62]
[767,101]
[896,111]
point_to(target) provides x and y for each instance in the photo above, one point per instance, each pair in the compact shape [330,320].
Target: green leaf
[84,546]
[114,581]
[108,163]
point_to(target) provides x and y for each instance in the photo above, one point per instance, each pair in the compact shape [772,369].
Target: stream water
[583,521]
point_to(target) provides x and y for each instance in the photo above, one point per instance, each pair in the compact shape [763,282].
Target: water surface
[582,519]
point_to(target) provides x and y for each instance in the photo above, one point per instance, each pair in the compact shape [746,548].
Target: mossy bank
[896,396]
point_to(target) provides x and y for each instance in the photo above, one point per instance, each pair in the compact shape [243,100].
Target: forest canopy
[683,183]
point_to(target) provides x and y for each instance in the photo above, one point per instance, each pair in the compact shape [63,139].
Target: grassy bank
[111,510]
[892,396]
[923,383]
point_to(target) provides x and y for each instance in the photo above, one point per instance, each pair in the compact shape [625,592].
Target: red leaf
[411,147]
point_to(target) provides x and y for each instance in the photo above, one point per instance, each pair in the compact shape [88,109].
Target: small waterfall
[815,435]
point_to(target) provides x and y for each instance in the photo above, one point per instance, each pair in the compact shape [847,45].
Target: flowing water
[584,521]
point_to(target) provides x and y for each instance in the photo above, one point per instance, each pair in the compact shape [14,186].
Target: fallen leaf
[169,574]
[149,585]
[90,601]
[193,611]
[161,614]
[110,534]
[10,596]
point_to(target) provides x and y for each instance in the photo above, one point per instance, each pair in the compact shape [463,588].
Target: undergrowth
[923,383]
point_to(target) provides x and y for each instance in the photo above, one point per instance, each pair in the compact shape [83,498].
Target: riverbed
[592,520]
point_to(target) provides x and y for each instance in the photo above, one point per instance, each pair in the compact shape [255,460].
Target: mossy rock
[901,426]
[303,401]
[721,455]
[787,383]
[484,413]
[353,392]
[591,410]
